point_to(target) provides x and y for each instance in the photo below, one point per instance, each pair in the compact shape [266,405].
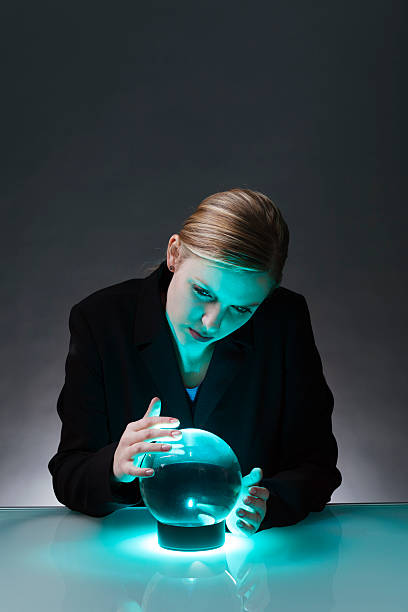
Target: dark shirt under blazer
[264,393]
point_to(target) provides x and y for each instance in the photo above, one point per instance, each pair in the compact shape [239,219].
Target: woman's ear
[173,249]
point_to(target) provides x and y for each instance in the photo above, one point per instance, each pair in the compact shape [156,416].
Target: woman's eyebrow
[197,280]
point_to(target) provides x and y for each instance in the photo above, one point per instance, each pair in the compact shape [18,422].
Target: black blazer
[264,394]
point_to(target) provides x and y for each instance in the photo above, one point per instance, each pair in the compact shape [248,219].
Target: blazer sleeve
[82,468]
[308,451]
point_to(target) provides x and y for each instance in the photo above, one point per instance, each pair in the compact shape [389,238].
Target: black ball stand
[205,537]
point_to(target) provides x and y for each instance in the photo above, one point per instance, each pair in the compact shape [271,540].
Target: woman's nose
[212,319]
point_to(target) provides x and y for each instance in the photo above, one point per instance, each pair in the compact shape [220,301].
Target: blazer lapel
[154,339]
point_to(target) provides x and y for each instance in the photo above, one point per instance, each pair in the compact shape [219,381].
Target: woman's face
[211,301]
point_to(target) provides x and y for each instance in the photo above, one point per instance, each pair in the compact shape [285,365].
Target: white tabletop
[346,558]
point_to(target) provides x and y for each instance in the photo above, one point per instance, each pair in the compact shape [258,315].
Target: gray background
[120,117]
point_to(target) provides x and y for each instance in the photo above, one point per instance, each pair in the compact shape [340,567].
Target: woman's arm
[308,452]
[81,469]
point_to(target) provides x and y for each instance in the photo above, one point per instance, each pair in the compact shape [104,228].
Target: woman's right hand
[132,446]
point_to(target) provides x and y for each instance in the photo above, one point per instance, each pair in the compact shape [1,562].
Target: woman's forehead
[217,278]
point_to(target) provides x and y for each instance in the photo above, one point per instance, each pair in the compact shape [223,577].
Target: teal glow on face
[212,300]
[208,295]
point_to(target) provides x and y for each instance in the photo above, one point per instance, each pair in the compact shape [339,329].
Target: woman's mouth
[198,336]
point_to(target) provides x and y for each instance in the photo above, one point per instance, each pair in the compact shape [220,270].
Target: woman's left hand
[255,499]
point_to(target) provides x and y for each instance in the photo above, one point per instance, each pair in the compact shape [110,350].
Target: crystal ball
[195,485]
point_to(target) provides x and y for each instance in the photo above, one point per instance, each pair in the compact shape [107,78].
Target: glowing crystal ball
[194,487]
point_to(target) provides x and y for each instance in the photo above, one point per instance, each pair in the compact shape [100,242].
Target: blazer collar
[153,337]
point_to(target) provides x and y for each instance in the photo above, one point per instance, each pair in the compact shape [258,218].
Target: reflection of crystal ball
[194,487]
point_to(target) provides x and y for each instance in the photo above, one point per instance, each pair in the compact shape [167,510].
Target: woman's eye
[244,311]
[205,293]
[201,291]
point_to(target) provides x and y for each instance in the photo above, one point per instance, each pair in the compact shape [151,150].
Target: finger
[246,527]
[261,492]
[142,448]
[163,435]
[254,476]
[161,422]
[256,502]
[154,407]
[134,470]
[149,422]
[254,518]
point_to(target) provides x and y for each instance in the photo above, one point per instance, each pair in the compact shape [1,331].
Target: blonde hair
[238,228]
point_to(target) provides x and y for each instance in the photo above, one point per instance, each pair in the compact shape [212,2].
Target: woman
[210,339]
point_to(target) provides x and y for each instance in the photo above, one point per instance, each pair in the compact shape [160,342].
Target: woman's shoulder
[283,310]
[117,290]
[284,302]
[112,302]
[122,292]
